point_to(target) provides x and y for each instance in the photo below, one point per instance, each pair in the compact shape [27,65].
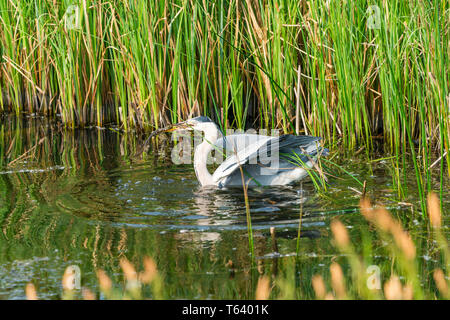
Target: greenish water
[89,197]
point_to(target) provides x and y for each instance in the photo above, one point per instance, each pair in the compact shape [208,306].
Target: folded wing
[248,148]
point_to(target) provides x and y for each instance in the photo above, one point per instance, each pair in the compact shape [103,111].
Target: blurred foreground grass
[349,276]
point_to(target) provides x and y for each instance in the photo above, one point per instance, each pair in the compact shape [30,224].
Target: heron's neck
[201,156]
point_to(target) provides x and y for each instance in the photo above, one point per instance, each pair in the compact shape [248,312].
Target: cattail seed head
[337,280]
[319,286]
[263,288]
[150,270]
[30,292]
[104,281]
[393,289]
[441,283]
[128,269]
[340,233]
[434,211]
[88,294]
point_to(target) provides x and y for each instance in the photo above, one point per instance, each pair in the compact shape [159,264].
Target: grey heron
[265,160]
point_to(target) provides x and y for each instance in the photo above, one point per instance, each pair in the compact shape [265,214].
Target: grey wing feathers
[256,145]
[289,139]
[240,154]
[237,142]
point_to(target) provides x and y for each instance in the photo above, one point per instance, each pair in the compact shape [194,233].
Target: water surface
[89,197]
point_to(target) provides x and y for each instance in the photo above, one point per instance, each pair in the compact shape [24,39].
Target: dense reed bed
[307,66]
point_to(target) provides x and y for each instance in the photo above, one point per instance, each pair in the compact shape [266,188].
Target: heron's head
[197,123]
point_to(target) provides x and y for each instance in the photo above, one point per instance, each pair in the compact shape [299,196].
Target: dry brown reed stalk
[30,292]
[260,45]
[263,288]
[337,281]
[274,239]
[260,266]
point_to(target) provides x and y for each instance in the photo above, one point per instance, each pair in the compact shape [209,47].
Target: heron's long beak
[178,126]
[174,127]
